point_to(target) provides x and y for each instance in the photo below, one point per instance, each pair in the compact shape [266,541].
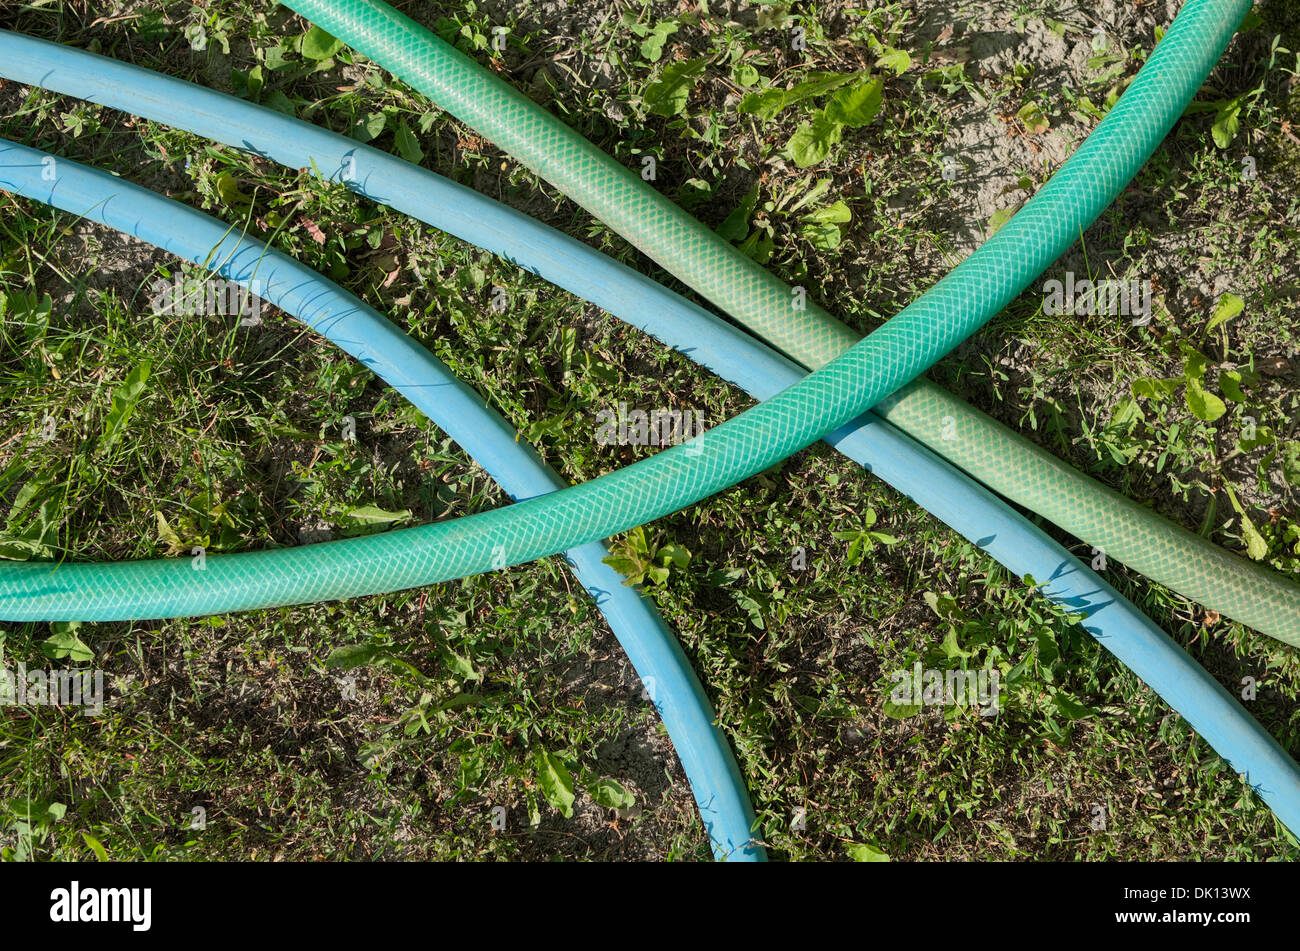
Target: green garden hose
[674,478]
[996,456]
[1131,533]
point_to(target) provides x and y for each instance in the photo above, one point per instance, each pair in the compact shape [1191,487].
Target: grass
[394,726]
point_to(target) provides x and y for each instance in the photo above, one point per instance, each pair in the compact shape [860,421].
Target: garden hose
[830,397]
[1003,460]
[1144,648]
[431,387]
[1149,652]
[1124,530]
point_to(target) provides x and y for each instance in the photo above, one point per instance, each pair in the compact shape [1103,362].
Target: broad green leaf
[408,147]
[1126,414]
[951,648]
[29,810]
[947,77]
[1154,388]
[856,106]
[737,224]
[32,313]
[534,811]
[1017,673]
[765,104]
[638,542]
[812,141]
[897,60]
[318,45]
[472,769]
[693,192]
[944,605]
[31,530]
[1049,652]
[1227,123]
[1194,363]
[819,84]
[27,496]
[1204,404]
[288,432]
[125,398]
[278,101]
[758,246]
[751,606]
[861,852]
[368,516]
[1070,708]
[555,781]
[837,212]
[768,103]
[21,549]
[857,548]
[64,642]
[822,227]
[230,192]
[95,846]
[167,533]
[1000,218]
[371,127]
[1256,547]
[611,794]
[462,666]
[632,569]
[249,84]
[652,47]
[742,74]
[277,57]
[1264,436]
[667,95]
[1229,306]
[1230,382]
[351,656]
[1089,108]
[823,237]
[678,555]
[1055,732]
[1033,117]
[811,195]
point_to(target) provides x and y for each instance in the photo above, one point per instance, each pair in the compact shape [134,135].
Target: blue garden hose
[972,510]
[833,396]
[414,372]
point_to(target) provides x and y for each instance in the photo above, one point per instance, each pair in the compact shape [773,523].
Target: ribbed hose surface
[1126,531]
[654,651]
[951,496]
[878,365]
[998,457]
[1146,650]
[947,494]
